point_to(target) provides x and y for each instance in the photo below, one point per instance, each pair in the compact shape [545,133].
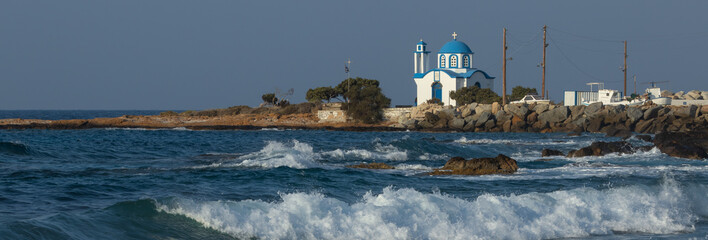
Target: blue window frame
[466,61]
[453,61]
[442,61]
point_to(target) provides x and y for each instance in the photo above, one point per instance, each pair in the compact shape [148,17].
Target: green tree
[353,83]
[366,102]
[518,92]
[467,95]
[269,98]
[321,93]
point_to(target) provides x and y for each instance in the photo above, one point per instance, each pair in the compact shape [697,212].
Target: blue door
[437,91]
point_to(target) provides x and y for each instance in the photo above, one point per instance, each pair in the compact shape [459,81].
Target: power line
[586,37]
[571,61]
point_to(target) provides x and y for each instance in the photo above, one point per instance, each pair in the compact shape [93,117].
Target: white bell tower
[420,57]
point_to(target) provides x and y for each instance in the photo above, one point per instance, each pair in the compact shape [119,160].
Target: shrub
[518,92]
[434,101]
[269,98]
[321,93]
[467,95]
[366,103]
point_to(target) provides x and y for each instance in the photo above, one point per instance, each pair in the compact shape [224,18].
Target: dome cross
[454,35]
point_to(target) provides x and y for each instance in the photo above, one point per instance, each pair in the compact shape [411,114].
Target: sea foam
[276,154]
[407,213]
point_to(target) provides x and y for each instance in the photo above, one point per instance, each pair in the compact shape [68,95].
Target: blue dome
[455,47]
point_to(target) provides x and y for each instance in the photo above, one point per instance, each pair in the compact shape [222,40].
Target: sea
[295,184]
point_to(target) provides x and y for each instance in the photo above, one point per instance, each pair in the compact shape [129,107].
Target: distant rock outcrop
[478,166]
[550,152]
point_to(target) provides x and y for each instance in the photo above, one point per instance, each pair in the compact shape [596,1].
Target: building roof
[455,46]
[454,74]
[422,43]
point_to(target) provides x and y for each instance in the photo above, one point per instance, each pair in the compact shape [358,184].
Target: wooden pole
[543,65]
[625,68]
[504,71]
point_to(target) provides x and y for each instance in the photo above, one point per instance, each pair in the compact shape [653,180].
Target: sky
[193,55]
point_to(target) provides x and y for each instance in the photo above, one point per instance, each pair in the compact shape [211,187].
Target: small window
[442,61]
[420,48]
[453,61]
[466,61]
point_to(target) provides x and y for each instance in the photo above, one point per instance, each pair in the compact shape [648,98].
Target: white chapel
[455,70]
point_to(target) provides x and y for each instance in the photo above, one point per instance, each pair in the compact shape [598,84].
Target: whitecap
[408,214]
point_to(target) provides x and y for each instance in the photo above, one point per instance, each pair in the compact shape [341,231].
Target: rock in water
[478,166]
[550,152]
[693,145]
[372,166]
[604,148]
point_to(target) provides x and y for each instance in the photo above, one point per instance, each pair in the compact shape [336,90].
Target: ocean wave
[407,213]
[15,148]
[464,140]
[276,154]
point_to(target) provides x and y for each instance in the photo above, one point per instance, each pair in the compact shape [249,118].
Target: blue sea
[294,184]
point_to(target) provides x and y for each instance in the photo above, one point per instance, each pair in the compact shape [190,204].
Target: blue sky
[177,54]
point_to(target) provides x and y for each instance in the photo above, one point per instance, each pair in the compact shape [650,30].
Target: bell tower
[420,58]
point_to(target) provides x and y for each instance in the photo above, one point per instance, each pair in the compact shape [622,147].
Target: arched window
[437,90]
[442,61]
[476,84]
[466,61]
[453,61]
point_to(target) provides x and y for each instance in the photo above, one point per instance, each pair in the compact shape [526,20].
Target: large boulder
[704,95]
[495,107]
[482,118]
[518,109]
[651,112]
[456,123]
[593,108]
[693,95]
[558,114]
[467,110]
[478,166]
[540,108]
[693,145]
[604,148]
[704,110]
[634,114]
[685,111]
[577,111]
[418,113]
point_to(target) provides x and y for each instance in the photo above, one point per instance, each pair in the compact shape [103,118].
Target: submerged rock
[372,166]
[604,148]
[550,152]
[478,166]
[693,145]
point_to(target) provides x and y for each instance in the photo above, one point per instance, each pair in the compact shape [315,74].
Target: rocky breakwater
[692,145]
[613,120]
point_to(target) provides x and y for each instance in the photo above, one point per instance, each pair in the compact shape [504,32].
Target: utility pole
[504,71]
[635,84]
[543,65]
[625,68]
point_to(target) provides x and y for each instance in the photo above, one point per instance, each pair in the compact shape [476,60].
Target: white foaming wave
[387,152]
[276,154]
[650,154]
[418,167]
[408,214]
[464,140]
[428,156]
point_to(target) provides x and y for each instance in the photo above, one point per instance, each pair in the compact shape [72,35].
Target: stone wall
[335,115]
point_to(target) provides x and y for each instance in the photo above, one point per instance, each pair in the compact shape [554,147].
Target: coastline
[541,118]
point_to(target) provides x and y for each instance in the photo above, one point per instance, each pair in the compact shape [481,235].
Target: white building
[454,70]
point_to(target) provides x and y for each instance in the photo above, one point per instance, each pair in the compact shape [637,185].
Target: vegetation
[467,95]
[353,83]
[518,92]
[236,110]
[269,98]
[434,101]
[321,93]
[366,102]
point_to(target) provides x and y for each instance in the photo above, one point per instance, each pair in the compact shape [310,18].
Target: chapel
[455,70]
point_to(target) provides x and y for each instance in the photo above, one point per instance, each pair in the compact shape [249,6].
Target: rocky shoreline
[543,118]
